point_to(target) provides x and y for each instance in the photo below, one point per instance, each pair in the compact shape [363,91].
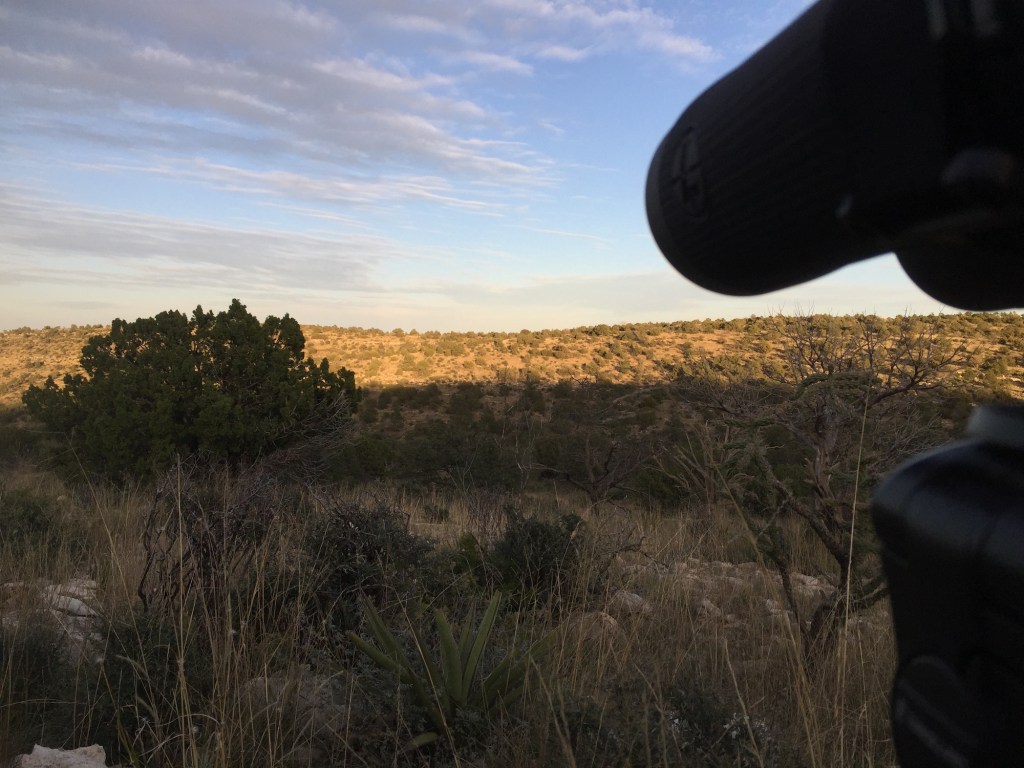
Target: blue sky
[430,164]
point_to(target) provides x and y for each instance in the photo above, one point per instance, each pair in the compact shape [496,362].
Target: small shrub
[359,549]
[204,531]
[16,444]
[694,725]
[538,561]
[436,513]
[32,523]
[36,689]
[153,690]
[708,729]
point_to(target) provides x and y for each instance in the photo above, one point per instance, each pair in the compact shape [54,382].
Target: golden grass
[629,695]
[628,683]
[630,353]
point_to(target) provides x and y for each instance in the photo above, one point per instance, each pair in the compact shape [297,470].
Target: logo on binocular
[688,177]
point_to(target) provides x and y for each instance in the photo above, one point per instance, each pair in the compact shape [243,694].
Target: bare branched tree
[599,446]
[841,401]
[203,531]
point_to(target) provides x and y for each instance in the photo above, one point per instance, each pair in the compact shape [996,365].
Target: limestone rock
[596,627]
[709,609]
[44,757]
[309,711]
[623,604]
[65,606]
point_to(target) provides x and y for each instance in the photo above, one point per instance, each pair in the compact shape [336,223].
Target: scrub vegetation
[635,545]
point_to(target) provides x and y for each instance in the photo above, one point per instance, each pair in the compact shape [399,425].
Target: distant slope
[638,352]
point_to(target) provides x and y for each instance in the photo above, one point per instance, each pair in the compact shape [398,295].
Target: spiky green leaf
[483,634]
[438,696]
[451,659]
[380,630]
[423,740]
[381,659]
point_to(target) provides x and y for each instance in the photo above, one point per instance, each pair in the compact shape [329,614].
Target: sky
[431,164]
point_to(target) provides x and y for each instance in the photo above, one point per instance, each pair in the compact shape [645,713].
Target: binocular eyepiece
[866,126]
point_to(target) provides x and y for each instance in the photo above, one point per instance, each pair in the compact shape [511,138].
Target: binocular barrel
[866,126]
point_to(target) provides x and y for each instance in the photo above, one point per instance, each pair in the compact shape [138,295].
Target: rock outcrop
[44,757]
[66,606]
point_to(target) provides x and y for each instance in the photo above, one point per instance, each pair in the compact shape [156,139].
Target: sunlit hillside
[630,353]
[649,540]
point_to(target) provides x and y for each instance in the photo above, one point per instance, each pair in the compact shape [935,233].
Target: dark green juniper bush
[223,384]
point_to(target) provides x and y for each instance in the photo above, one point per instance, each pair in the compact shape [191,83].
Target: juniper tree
[225,385]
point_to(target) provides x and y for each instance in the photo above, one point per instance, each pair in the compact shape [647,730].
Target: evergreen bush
[171,385]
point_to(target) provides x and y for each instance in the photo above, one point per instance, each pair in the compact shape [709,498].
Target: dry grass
[630,353]
[627,697]
[384,359]
[713,674]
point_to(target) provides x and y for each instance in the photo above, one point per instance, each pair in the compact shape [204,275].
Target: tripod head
[952,525]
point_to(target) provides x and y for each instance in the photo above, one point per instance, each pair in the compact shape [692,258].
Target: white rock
[596,627]
[71,606]
[308,709]
[44,757]
[626,603]
[66,607]
[83,589]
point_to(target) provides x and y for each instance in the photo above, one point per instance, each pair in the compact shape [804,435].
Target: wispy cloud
[49,241]
[594,27]
[347,142]
[296,79]
[574,235]
[496,62]
[563,53]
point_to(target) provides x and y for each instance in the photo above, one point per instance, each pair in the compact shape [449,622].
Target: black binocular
[868,127]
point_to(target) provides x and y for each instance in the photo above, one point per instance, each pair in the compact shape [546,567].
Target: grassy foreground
[616,546]
[241,658]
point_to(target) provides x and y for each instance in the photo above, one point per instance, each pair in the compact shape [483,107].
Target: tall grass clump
[225,603]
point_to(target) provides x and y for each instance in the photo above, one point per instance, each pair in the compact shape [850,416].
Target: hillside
[630,353]
[676,508]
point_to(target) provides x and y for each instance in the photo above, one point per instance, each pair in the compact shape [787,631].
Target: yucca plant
[446,687]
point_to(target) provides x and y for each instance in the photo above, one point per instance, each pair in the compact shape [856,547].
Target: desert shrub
[360,549]
[32,523]
[225,384]
[436,513]
[466,399]
[207,529]
[368,412]
[532,399]
[693,725]
[459,451]
[36,689]
[658,490]
[536,561]
[26,519]
[368,457]
[16,442]
[469,559]
[708,728]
